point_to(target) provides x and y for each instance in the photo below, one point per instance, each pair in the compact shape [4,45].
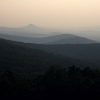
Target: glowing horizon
[61,14]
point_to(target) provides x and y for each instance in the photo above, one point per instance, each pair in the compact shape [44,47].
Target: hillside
[32,71]
[88,52]
[66,39]
[54,39]
[22,58]
[30,30]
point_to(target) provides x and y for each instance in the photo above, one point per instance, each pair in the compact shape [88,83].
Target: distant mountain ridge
[56,39]
[34,34]
[67,39]
[28,30]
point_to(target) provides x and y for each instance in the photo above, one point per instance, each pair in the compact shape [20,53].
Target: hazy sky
[61,14]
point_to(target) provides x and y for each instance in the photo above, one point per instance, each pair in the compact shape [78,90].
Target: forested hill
[33,73]
[87,52]
[19,57]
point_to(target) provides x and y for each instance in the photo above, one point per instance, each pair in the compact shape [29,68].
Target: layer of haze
[59,14]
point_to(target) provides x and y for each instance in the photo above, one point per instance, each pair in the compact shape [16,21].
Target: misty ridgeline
[48,67]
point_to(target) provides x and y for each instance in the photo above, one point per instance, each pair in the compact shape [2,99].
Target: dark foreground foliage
[56,82]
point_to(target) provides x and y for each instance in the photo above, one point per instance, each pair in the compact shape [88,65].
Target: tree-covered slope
[19,57]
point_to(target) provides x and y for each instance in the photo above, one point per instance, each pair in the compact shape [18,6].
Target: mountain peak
[31,26]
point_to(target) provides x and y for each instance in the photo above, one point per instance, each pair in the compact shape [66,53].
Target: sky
[58,14]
